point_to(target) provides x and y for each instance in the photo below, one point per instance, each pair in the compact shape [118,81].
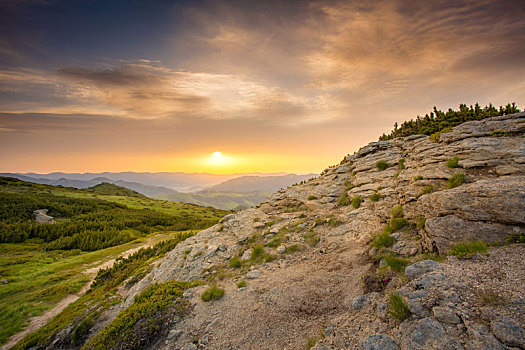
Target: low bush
[515,237]
[453,162]
[356,202]
[382,165]
[467,249]
[212,293]
[456,180]
[398,307]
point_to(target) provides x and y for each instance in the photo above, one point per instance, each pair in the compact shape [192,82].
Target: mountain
[258,183]
[409,243]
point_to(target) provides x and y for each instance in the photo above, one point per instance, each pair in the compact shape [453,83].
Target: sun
[218,159]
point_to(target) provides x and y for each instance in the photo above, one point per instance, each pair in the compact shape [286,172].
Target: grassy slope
[38,279]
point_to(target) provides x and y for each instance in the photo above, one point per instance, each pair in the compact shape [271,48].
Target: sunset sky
[293,86]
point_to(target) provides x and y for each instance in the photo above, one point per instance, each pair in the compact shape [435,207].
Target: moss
[382,165]
[467,249]
[356,202]
[375,197]
[212,293]
[453,162]
[456,180]
[398,308]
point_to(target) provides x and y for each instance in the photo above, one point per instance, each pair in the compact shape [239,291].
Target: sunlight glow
[218,159]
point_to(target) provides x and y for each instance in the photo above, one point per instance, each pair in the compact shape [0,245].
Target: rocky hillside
[359,257]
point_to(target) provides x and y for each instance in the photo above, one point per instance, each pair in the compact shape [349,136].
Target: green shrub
[212,293]
[397,211]
[383,240]
[241,284]
[436,136]
[515,237]
[467,249]
[293,248]
[427,189]
[453,162]
[235,262]
[395,263]
[398,308]
[356,201]
[312,197]
[417,178]
[343,200]
[395,224]
[375,197]
[456,180]
[257,252]
[382,165]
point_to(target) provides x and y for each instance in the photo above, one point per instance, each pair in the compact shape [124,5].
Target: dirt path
[39,321]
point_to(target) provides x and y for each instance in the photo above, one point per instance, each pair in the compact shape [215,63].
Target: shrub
[456,180]
[427,189]
[241,284]
[515,237]
[453,162]
[382,165]
[397,211]
[375,197]
[436,136]
[398,308]
[312,197]
[395,263]
[356,201]
[383,240]
[235,262]
[212,293]
[343,200]
[467,249]
[417,178]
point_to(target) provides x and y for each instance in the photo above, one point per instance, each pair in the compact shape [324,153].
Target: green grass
[515,237]
[468,249]
[453,162]
[356,202]
[235,262]
[398,308]
[427,189]
[395,263]
[311,197]
[401,164]
[382,240]
[382,165]
[241,284]
[311,238]
[343,200]
[421,223]
[375,197]
[212,293]
[397,211]
[456,180]
[417,178]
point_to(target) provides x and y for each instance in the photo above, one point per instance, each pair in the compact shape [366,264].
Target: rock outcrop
[41,217]
[314,240]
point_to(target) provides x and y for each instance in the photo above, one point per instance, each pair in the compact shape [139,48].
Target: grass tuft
[212,293]
[382,165]
[456,180]
[398,307]
[235,262]
[241,284]
[383,240]
[343,200]
[467,249]
[395,263]
[375,197]
[453,162]
[356,201]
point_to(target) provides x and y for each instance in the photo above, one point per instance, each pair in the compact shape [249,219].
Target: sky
[274,86]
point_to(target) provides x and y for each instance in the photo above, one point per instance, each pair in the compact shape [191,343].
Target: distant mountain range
[220,191]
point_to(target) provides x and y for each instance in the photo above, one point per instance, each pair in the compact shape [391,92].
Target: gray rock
[509,332]
[432,280]
[189,346]
[42,218]
[417,308]
[364,300]
[254,274]
[246,255]
[378,342]
[446,315]
[174,334]
[258,225]
[227,218]
[420,268]
[426,334]
[281,249]
[482,339]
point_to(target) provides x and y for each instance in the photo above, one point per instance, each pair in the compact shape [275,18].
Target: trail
[38,321]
